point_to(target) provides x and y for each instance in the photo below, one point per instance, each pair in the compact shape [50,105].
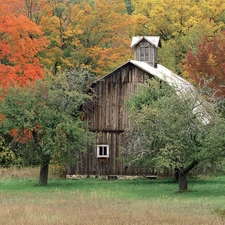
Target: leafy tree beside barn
[43,119]
[170,130]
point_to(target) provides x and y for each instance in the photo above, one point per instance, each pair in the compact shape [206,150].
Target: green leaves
[167,132]
[45,117]
[7,156]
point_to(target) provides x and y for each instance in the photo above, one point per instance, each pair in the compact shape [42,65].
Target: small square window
[103,151]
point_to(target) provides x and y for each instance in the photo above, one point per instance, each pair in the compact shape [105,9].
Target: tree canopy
[207,63]
[20,42]
[167,133]
[97,34]
[39,38]
[88,34]
[181,24]
[43,119]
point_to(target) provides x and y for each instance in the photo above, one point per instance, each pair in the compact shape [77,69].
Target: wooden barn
[106,112]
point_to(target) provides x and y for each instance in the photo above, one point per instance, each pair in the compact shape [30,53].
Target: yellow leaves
[79,31]
[107,58]
[212,9]
[139,24]
[184,21]
[68,33]
[211,61]
[76,42]
[172,18]
[85,66]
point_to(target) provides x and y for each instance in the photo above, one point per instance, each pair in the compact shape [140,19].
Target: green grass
[94,201]
[140,189]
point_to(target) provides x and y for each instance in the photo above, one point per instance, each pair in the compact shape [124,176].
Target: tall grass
[95,202]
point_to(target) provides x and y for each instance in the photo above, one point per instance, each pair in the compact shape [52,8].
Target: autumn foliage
[21,136]
[208,63]
[91,34]
[20,42]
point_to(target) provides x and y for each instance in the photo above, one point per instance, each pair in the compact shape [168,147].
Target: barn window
[144,54]
[103,151]
[152,53]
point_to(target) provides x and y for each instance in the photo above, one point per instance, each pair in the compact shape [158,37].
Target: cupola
[145,49]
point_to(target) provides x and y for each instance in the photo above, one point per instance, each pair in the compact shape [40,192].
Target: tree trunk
[182,175]
[43,177]
[183,181]
[176,175]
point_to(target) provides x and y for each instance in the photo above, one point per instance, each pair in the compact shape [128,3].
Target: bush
[7,156]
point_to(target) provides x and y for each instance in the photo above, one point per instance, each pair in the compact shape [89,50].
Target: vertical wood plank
[109,118]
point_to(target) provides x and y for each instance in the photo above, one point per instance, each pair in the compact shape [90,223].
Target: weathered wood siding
[109,113]
[108,119]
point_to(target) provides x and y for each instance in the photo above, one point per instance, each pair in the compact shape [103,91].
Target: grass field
[119,202]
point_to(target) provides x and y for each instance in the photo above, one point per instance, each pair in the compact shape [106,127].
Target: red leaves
[209,62]
[2,117]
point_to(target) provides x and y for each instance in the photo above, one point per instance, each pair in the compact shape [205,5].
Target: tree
[129,6]
[20,42]
[44,118]
[180,24]
[172,129]
[33,9]
[91,34]
[59,25]
[107,35]
[7,156]
[170,21]
[207,63]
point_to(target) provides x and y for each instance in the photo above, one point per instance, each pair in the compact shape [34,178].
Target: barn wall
[108,119]
[109,112]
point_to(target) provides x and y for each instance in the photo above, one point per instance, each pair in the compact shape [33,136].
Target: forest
[49,36]
[49,40]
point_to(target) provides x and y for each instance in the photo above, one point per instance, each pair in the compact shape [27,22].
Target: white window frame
[102,155]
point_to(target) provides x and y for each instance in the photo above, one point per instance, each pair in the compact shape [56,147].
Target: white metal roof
[164,74]
[154,40]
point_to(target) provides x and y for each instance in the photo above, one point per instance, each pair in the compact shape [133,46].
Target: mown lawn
[94,201]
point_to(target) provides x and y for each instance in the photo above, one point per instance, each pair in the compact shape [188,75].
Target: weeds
[220,212]
[121,202]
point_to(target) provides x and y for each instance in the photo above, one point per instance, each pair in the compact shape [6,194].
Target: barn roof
[182,86]
[154,40]
[164,74]
[161,73]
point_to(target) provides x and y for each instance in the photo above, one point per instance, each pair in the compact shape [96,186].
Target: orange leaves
[107,58]
[106,36]
[21,136]
[20,41]
[94,35]
[2,117]
[4,48]
[10,6]
[21,34]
